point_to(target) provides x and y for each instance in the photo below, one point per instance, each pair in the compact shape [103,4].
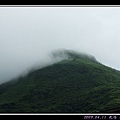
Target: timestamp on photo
[101,117]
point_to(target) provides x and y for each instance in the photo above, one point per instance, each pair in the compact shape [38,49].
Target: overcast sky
[28,34]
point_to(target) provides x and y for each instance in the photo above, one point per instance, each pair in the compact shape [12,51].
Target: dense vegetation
[74,85]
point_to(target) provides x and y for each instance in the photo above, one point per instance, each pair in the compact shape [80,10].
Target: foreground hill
[76,84]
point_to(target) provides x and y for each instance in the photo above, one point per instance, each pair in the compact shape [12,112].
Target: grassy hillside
[74,85]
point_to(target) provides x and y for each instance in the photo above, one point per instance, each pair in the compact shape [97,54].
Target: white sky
[28,34]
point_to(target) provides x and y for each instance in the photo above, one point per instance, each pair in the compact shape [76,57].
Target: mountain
[77,83]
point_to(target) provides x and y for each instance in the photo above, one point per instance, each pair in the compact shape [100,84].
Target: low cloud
[28,35]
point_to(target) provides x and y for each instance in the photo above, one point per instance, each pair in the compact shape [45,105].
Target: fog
[29,34]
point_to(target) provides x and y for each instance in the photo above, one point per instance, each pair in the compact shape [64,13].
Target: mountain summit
[62,54]
[77,83]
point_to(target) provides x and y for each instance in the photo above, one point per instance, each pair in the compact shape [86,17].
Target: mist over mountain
[75,83]
[62,54]
[56,56]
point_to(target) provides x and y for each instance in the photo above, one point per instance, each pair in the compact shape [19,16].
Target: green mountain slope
[78,84]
